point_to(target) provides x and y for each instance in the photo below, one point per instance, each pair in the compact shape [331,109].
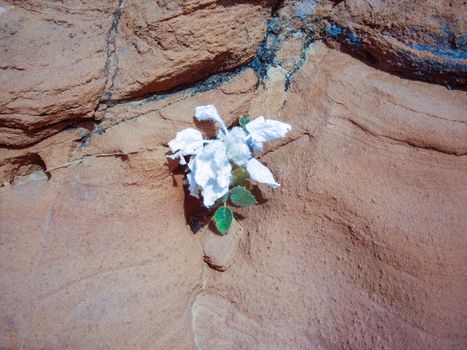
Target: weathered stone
[361,247]
[60,61]
[152,124]
[209,309]
[290,52]
[90,249]
[421,39]
[52,63]
[271,96]
[165,44]
[95,265]
[219,250]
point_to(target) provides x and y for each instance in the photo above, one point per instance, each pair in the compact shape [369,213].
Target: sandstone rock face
[220,250]
[52,65]
[65,63]
[423,39]
[165,44]
[362,247]
[62,62]
[94,274]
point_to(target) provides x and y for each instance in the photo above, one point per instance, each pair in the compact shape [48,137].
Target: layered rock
[52,65]
[86,249]
[63,63]
[165,44]
[422,39]
[361,247]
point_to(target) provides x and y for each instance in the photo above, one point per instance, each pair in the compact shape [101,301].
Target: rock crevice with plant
[220,170]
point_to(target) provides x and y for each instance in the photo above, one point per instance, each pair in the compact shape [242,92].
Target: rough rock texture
[423,39]
[169,43]
[97,264]
[220,250]
[61,63]
[64,63]
[52,65]
[92,272]
[362,247]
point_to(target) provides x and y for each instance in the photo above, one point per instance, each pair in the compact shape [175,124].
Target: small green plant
[221,170]
[239,196]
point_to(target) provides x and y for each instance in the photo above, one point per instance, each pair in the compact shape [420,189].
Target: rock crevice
[361,247]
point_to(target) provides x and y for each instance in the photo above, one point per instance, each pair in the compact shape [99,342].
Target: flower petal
[203,169]
[178,154]
[208,112]
[187,140]
[194,188]
[236,145]
[262,130]
[210,172]
[255,146]
[212,192]
[260,173]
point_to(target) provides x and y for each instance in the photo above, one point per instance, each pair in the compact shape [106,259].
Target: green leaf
[244,120]
[223,219]
[240,196]
[239,176]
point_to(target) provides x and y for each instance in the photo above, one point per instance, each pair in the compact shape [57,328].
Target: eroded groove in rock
[25,168]
[136,44]
[410,143]
[111,64]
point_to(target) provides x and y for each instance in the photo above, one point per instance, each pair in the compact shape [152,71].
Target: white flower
[260,173]
[194,187]
[262,130]
[210,173]
[236,145]
[209,112]
[188,141]
[211,160]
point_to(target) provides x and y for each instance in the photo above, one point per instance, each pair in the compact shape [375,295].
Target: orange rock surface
[362,247]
